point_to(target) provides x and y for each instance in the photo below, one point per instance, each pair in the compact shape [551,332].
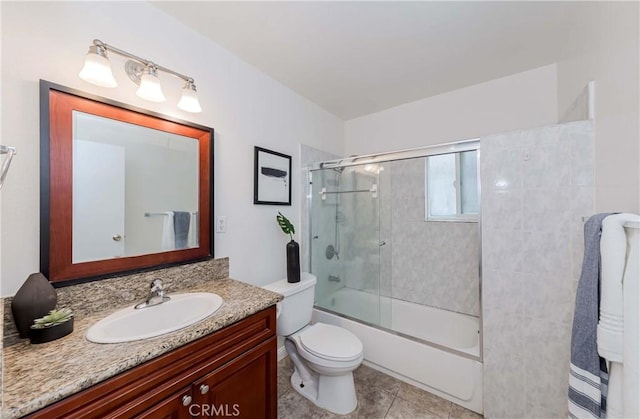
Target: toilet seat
[331,343]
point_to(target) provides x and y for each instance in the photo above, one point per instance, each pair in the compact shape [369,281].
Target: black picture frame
[271,177]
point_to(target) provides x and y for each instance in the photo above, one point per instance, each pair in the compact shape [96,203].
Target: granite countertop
[38,375]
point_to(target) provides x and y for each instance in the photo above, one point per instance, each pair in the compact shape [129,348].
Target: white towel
[610,331]
[168,233]
[613,251]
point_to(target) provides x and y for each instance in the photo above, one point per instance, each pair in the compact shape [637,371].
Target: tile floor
[379,396]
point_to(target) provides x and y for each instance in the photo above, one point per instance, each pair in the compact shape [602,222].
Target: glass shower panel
[345,241]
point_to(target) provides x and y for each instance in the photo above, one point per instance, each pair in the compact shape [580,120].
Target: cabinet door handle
[204,389]
[186,400]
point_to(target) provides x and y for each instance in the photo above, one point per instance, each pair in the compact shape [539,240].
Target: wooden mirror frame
[56,185]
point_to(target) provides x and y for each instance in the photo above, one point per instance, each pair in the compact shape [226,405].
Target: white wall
[523,100]
[244,106]
[611,61]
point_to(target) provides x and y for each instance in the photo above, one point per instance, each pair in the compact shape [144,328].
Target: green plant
[285,225]
[54,317]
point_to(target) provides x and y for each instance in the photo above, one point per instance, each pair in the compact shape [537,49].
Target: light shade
[97,68]
[189,101]
[150,88]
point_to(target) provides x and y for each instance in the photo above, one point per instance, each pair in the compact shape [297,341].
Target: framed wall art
[272,177]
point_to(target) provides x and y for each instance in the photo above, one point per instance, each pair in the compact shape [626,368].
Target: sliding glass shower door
[345,241]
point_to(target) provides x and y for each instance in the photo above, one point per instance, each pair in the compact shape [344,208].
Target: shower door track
[453,147]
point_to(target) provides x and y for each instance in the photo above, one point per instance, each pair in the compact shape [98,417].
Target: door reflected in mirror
[122,189]
[135,189]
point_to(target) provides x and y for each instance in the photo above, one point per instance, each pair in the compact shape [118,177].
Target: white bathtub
[445,367]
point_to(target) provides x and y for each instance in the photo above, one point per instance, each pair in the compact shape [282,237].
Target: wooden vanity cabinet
[230,373]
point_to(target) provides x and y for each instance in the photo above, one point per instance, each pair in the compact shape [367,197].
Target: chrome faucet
[156,295]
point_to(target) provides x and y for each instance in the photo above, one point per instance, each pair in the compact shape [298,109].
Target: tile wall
[536,187]
[431,263]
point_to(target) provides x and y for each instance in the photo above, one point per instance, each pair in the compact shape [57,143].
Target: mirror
[121,189]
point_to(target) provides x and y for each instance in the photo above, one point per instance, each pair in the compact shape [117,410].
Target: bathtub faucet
[333,278]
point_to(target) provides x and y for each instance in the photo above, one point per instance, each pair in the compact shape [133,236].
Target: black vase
[293,262]
[35,298]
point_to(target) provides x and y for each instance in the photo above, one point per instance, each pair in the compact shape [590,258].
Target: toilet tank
[296,308]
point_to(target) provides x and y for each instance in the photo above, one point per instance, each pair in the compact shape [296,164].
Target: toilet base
[336,394]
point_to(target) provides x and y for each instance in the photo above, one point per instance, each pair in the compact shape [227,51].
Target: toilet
[324,356]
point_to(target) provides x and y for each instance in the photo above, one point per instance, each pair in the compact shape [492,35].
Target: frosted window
[469,182]
[452,186]
[441,185]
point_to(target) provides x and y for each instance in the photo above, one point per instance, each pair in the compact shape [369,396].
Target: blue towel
[181,221]
[588,377]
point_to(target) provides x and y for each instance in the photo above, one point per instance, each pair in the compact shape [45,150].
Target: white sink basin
[134,324]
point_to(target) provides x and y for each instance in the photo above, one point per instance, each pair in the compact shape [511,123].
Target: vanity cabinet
[229,373]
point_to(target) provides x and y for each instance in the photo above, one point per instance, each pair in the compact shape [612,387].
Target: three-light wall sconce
[144,73]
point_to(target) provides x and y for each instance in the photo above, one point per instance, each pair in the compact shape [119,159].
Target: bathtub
[436,350]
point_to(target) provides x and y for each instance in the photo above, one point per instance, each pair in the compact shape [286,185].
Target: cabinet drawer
[141,387]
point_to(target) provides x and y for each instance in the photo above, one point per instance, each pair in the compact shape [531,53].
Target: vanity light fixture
[97,70]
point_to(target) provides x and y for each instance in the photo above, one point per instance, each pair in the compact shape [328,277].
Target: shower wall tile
[502,295]
[506,398]
[501,167]
[433,263]
[501,249]
[582,205]
[531,263]
[548,298]
[543,384]
[546,209]
[408,189]
[547,253]
[506,205]
[547,165]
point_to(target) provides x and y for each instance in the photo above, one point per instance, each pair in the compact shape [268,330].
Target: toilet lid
[331,342]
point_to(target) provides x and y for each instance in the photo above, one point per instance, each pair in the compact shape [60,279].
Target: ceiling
[356,58]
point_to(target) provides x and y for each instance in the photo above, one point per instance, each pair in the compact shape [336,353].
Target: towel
[588,377]
[181,221]
[613,250]
[194,230]
[168,234]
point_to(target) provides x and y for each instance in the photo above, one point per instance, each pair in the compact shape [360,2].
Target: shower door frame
[411,153]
